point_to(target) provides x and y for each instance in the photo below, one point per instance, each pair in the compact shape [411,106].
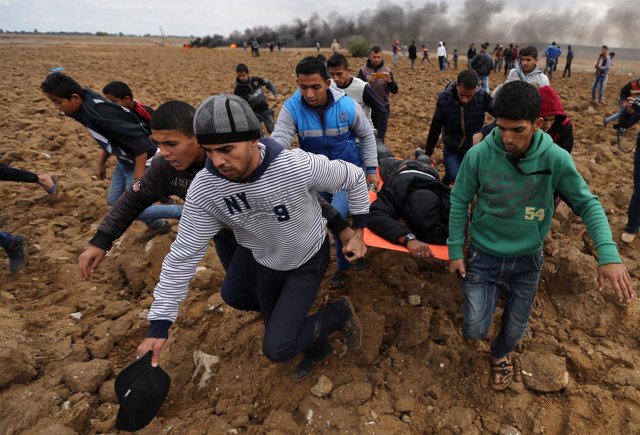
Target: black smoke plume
[475,21]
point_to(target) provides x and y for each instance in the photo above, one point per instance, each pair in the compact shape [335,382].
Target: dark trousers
[567,69]
[266,117]
[387,163]
[238,289]
[285,299]
[8,173]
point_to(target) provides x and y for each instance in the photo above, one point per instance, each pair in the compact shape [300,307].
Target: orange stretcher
[374,240]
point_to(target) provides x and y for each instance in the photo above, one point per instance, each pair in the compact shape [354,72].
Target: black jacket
[459,122]
[252,92]
[482,64]
[414,195]
[413,54]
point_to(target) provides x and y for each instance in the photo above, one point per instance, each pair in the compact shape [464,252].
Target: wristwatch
[407,238]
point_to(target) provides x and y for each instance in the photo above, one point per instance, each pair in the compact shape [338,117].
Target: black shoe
[422,157]
[166,200]
[151,232]
[352,329]
[309,362]
[339,279]
[16,253]
[360,264]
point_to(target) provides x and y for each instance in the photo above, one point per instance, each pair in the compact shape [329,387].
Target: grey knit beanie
[225,118]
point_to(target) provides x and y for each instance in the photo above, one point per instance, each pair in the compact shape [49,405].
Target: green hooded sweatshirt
[515,199]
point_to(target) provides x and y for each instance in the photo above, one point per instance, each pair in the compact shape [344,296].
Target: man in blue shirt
[552,52]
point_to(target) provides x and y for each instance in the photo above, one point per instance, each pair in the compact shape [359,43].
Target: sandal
[53,190]
[504,369]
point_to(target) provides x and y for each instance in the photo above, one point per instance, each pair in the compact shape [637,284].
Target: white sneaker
[627,237]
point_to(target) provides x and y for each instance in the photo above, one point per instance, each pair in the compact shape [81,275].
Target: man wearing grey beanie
[267,195]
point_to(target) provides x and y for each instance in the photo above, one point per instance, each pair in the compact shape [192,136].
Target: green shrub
[358,46]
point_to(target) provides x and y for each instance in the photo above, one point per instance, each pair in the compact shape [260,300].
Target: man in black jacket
[471,53]
[412,208]
[482,64]
[250,88]
[413,53]
[460,112]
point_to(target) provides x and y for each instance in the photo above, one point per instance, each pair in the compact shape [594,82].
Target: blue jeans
[486,276]
[285,299]
[339,202]
[599,82]
[551,63]
[122,179]
[616,115]
[484,82]
[633,223]
[452,161]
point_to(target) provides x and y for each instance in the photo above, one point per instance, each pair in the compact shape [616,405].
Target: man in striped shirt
[266,195]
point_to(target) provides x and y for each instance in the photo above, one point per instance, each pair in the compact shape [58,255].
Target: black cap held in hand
[224,119]
[141,390]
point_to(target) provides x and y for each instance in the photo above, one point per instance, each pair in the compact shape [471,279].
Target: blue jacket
[335,135]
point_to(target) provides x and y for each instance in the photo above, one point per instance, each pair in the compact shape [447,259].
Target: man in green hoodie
[514,172]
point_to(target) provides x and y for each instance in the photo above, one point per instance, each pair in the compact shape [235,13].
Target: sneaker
[339,279]
[422,157]
[309,362]
[352,329]
[627,237]
[17,254]
[151,232]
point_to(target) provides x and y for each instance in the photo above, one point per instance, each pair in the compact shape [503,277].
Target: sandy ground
[577,367]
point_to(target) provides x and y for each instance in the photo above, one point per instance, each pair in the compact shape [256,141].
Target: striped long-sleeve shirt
[274,213]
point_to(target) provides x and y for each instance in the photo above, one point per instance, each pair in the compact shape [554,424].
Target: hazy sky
[203,17]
